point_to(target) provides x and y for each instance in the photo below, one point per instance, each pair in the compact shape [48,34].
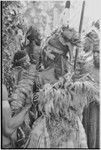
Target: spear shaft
[80,29]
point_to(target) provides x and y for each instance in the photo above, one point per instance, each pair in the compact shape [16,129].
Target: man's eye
[73,89]
[96,54]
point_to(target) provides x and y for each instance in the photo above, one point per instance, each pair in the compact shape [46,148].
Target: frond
[72,95]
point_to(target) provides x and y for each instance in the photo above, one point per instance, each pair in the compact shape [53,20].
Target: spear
[80,29]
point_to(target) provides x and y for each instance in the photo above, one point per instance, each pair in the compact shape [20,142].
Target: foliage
[62,108]
[11,23]
[75,93]
[41,15]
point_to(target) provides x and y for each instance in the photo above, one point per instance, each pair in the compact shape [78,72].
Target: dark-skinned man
[9,123]
[91,116]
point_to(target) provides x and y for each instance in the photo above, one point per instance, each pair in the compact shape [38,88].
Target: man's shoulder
[93,71]
[31,69]
[32,66]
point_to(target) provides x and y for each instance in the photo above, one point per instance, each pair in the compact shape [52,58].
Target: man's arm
[11,123]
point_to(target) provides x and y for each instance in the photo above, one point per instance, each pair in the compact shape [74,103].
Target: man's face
[27,59]
[68,33]
[96,59]
[27,62]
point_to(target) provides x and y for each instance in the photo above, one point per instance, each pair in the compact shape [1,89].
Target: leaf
[49,54]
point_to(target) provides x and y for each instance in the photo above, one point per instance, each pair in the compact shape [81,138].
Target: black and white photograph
[50,74]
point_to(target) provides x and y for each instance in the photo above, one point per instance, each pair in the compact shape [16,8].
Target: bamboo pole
[80,29]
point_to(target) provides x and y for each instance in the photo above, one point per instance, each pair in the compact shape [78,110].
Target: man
[20,63]
[93,69]
[24,75]
[24,93]
[91,115]
[65,16]
[9,123]
[33,47]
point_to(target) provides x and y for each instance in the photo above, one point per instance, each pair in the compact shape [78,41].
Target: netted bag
[88,44]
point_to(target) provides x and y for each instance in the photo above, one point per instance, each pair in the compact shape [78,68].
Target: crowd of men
[20,110]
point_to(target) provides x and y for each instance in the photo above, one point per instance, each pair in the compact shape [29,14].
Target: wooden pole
[80,29]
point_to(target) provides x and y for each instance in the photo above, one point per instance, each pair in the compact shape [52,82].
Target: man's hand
[10,124]
[27,107]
